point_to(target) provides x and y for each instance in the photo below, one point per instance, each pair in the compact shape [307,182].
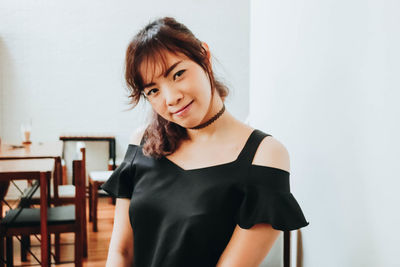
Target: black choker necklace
[211,120]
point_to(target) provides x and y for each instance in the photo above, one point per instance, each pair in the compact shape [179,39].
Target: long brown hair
[163,137]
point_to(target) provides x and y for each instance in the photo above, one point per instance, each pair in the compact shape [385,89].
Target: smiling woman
[188,78]
[165,62]
[197,187]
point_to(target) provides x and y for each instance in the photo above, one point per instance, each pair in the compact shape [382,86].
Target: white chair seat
[63,191]
[100,176]
[67,190]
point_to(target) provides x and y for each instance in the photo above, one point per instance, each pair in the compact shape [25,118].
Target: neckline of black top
[234,162]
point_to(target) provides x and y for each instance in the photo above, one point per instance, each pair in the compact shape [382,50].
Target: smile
[184,111]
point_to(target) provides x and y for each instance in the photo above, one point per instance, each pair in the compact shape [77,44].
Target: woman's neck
[219,128]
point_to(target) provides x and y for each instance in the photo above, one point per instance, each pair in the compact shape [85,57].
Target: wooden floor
[97,242]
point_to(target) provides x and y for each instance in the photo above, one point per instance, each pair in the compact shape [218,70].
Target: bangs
[147,55]
[151,63]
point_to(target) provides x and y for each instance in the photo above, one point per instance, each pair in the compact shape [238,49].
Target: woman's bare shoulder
[137,135]
[272,153]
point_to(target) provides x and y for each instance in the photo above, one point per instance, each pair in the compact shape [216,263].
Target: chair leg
[94,205]
[48,251]
[286,249]
[84,232]
[90,201]
[9,251]
[2,259]
[78,249]
[25,243]
[57,247]
[85,245]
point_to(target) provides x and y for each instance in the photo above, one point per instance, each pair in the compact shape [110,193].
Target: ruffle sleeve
[121,182]
[267,199]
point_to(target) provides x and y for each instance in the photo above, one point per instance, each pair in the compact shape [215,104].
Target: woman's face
[181,94]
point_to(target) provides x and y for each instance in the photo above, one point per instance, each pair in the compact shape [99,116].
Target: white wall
[62,61]
[324,81]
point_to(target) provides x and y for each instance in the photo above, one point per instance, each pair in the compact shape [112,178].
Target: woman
[197,187]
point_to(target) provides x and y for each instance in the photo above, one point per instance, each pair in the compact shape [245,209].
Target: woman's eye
[178,74]
[149,92]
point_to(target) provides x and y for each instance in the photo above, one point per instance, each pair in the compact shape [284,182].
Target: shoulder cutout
[137,135]
[272,153]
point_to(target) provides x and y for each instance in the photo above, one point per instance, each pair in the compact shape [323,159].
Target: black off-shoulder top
[186,218]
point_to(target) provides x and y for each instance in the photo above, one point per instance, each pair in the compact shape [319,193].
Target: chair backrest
[78,174]
[81,156]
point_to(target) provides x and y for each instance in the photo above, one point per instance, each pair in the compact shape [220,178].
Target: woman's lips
[185,110]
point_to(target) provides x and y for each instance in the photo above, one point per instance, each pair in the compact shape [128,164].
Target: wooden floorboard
[97,242]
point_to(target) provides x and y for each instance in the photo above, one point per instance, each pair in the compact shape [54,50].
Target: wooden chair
[96,179]
[65,196]
[65,192]
[60,219]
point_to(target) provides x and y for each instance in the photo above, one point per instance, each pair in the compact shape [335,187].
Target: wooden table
[48,150]
[32,151]
[40,169]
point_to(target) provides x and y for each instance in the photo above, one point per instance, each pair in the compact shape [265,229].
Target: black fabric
[120,183]
[187,217]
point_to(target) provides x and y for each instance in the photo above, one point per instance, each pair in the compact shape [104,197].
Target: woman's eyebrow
[165,74]
[171,68]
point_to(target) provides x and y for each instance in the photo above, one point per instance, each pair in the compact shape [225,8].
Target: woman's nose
[172,96]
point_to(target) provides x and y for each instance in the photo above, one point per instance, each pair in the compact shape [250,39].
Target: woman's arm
[120,252]
[249,247]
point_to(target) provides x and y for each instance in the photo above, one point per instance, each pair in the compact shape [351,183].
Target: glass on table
[26,129]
